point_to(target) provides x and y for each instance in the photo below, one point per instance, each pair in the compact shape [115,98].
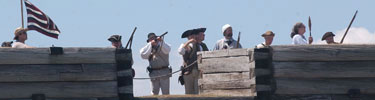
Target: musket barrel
[310,25]
[131,39]
[238,39]
[164,34]
[346,32]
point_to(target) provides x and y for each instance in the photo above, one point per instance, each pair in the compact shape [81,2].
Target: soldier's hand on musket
[154,43]
[310,40]
[159,39]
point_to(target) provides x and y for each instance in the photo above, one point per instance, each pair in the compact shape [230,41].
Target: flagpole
[22,13]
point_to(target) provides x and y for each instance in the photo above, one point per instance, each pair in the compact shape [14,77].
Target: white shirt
[19,45]
[299,40]
[220,44]
[146,51]
[262,45]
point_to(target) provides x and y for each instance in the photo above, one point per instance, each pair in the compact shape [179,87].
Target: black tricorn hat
[150,35]
[187,33]
[198,30]
[115,38]
[327,34]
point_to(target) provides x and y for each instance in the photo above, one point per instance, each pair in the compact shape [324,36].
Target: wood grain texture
[226,76]
[227,64]
[324,52]
[234,92]
[355,69]
[226,53]
[235,84]
[324,86]
[68,72]
[70,56]
[59,89]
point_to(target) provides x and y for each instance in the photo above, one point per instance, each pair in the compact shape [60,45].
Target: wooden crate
[226,73]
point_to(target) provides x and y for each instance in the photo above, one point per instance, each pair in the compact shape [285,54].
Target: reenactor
[268,38]
[189,52]
[328,36]
[156,52]
[297,35]
[20,36]
[227,42]
[116,41]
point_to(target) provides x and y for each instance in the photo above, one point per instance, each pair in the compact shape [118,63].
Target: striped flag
[38,21]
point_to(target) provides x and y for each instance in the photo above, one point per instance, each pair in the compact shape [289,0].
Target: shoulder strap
[204,46]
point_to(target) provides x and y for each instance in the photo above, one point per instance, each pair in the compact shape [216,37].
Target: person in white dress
[297,35]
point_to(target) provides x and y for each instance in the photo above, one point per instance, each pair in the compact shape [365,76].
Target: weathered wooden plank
[226,76]
[262,72]
[226,53]
[321,97]
[59,89]
[359,69]
[234,84]
[194,97]
[234,92]
[227,64]
[324,86]
[324,53]
[70,56]
[260,87]
[59,72]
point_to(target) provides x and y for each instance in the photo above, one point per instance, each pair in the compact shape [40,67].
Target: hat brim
[268,35]
[325,36]
[186,34]
[112,40]
[201,30]
[198,30]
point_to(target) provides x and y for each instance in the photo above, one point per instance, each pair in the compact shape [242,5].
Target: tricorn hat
[327,34]
[187,33]
[115,38]
[268,33]
[150,35]
[198,30]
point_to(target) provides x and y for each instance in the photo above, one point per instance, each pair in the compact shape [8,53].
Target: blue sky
[88,23]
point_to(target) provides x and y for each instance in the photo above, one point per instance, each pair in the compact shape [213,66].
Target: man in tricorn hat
[328,36]
[116,41]
[227,42]
[156,52]
[189,51]
[268,38]
[20,36]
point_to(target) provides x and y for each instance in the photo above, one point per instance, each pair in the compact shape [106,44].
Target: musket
[310,25]
[153,51]
[351,22]
[131,39]
[238,39]
[162,35]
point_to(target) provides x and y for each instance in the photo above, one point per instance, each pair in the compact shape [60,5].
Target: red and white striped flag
[38,21]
